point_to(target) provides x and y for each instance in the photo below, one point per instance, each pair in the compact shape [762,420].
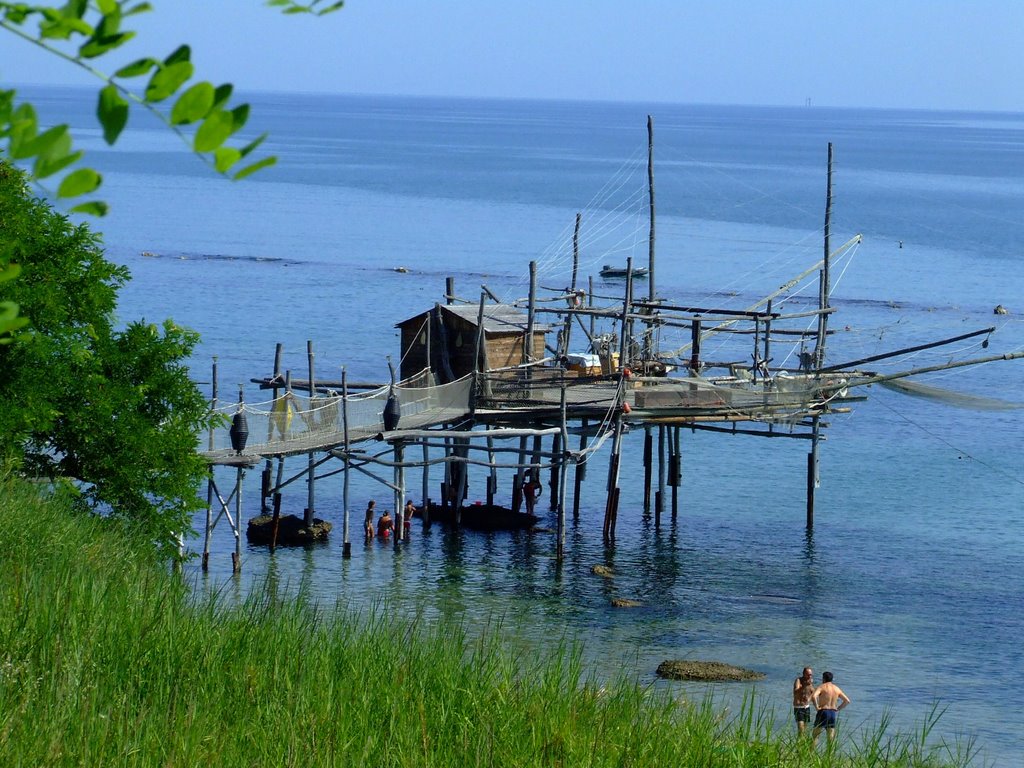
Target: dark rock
[291,530]
[602,570]
[622,602]
[1000,310]
[706,671]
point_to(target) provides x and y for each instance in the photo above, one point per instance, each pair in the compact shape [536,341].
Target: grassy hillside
[105,660]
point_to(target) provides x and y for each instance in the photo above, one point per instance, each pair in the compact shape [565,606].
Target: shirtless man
[803,691]
[385,525]
[829,700]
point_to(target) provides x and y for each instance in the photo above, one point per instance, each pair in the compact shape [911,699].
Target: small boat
[609,271]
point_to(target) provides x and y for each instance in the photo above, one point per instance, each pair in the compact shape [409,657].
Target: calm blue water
[910,588]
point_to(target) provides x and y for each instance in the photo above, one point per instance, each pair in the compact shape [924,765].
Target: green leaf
[107,6]
[44,142]
[239,116]
[194,104]
[80,182]
[225,158]
[215,130]
[49,165]
[99,46]
[23,128]
[92,208]
[253,144]
[181,53]
[168,79]
[266,162]
[137,67]
[140,8]
[222,94]
[112,112]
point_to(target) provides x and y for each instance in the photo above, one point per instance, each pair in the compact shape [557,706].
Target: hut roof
[498,318]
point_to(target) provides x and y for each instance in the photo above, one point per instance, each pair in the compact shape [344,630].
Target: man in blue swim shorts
[829,699]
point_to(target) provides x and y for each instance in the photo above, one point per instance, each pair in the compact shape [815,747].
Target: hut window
[423,338]
[458,340]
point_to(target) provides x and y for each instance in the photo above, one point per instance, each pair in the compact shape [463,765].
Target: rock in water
[706,671]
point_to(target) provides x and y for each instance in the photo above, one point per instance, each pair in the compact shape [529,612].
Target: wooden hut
[444,339]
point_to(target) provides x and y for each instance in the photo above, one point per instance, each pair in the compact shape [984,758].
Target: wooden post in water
[676,473]
[556,467]
[426,484]
[209,481]
[579,473]
[648,468]
[449,290]
[265,484]
[492,476]
[399,493]
[812,472]
[346,547]
[560,457]
[310,511]
[659,497]
[236,556]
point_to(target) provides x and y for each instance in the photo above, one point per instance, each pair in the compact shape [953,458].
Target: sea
[910,588]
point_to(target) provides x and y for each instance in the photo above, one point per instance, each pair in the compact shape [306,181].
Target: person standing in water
[803,692]
[829,700]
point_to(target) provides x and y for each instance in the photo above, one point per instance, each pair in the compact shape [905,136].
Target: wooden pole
[309,513]
[648,468]
[824,281]
[449,290]
[579,473]
[659,498]
[650,193]
[265,485]
[236,556]
[426,484]
[492,477]
[675,472]
[812,472]
[564,441]
[399,450]
[530,318]
[209,481]
[346,547]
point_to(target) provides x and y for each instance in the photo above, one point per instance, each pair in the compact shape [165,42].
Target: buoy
[392,412]
[626,408]
[239,432]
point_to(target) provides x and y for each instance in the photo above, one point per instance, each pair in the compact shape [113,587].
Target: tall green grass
[106,660]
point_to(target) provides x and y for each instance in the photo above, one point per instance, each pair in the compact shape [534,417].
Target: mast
[824,283]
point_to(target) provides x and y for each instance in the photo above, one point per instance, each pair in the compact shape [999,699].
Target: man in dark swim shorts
[829,699]
[803,690]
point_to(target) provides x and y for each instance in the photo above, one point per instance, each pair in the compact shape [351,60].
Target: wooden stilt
[236,558]
[209,482]
[399,451]
[659,498]
[275,522]
[812,472]
[556,469]
[310,512]
[579,474]
[560,461]
[648,469]
[675,473]
[492,476]
[346,547]
[278,350]
[426,484]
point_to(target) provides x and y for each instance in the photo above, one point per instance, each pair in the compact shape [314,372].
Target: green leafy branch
[80,32]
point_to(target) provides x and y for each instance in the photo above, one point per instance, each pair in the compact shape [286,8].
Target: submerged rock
[602,570]
[291,530]
[622,602]
[706,671]
[1000,310]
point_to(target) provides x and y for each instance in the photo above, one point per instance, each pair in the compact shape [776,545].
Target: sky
[918,54]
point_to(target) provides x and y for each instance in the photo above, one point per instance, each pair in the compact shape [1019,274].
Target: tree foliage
[83,32]
[112,413]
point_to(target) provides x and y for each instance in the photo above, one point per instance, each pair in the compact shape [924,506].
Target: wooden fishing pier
[495,388]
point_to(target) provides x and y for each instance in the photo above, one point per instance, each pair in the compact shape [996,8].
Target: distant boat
[609,271]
